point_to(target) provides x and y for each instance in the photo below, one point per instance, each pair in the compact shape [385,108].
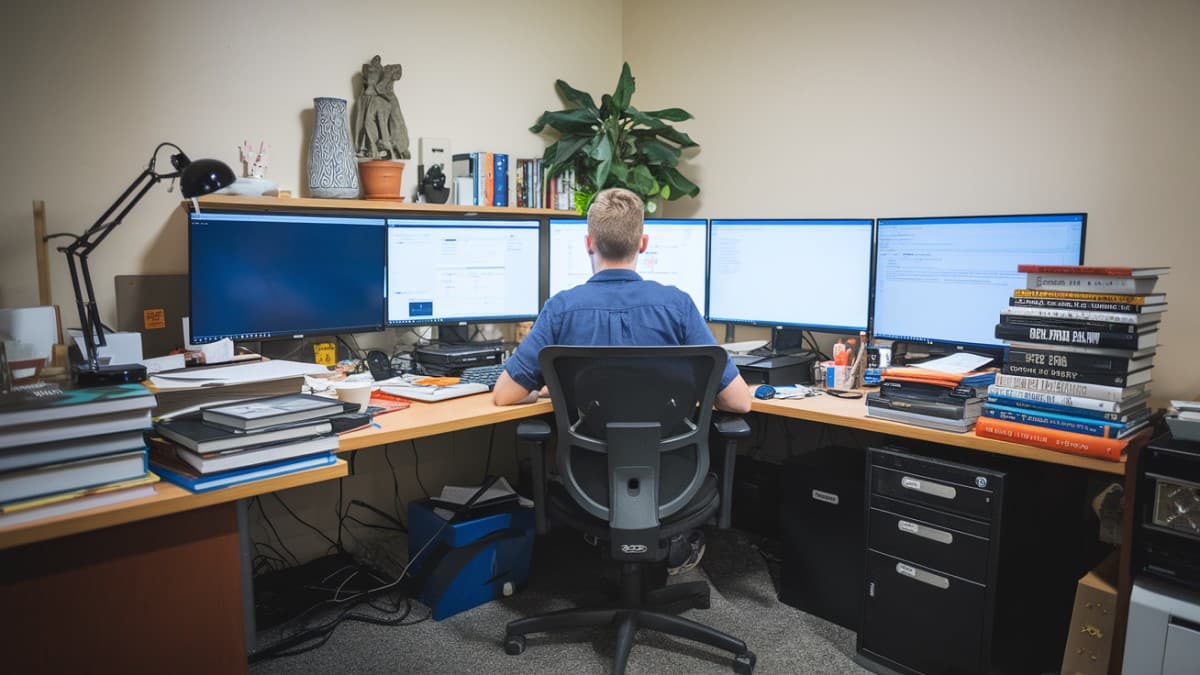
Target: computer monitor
[265,275]
[461,270]
[676,255]
[811,274]
[945,280]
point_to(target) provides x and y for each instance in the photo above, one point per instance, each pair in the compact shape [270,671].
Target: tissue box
[471,561]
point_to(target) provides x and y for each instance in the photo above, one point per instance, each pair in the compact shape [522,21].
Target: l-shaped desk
[110,585]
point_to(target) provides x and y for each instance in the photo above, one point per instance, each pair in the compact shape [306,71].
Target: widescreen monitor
[812,274]
[260,275]
[461,270]
[676,254]
[946,280]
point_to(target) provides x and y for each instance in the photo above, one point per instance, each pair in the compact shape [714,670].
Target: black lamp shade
[204,176]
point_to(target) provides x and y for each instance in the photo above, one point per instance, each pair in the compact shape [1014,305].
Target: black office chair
[633,470]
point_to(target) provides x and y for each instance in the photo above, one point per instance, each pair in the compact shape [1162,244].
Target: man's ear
[645,242]
[587,240]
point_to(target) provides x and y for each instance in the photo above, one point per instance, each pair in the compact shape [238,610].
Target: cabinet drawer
[941,494]
[922,620]
[944,549]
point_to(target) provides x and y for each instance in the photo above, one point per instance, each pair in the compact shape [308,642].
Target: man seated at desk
[615,307]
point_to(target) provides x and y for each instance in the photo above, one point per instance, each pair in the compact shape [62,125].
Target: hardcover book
[928,421]
[1010,318]
[1077,425]
[49,431]
[1090,283]
[69,449]
[1088,305]
[1092,270]
[28,405]
[73,475]
[227,460]
[268,412]
[193,433]
[1040,356]
[1124,298]
[963,410]
[1117,379]
[174,470]
[1096,391]
[1070,400]
[1054,439]
[1126,415]
[1064,334]
[1116,319]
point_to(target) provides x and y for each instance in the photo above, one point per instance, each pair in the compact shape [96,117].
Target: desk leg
[155,595]
[247,550]
[1125,565]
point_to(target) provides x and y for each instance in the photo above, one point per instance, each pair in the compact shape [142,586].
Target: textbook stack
[63,451]
[930,398]
[1079,366]
[252,440]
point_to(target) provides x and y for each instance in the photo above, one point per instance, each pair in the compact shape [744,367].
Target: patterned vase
[332,169]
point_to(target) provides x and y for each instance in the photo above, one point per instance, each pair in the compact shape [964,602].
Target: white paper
[161,363]
[962,362]
[220,351]
[36,327]
[258,371]
[122,347]
[1186,405]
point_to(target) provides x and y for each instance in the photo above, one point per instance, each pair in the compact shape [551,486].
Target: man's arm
[508,392]
[734,398]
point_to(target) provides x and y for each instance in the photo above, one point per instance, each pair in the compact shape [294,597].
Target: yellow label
[153,319]
[325,353]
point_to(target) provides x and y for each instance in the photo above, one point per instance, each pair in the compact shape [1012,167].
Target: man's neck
[601,264]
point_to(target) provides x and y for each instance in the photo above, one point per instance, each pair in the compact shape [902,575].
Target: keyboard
[432,394]
[483,374]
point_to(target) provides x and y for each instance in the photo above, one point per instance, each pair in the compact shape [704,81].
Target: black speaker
[380,364]
[823,532]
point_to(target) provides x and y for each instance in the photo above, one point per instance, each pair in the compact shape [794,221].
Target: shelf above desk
[853,413]
[290,204]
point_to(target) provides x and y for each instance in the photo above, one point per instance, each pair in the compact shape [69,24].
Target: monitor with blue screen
[461,270]
[676,254]
[266,275]
[945,280]
[811,274]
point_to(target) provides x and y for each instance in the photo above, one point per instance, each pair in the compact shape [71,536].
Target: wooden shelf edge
[168,499]
[313,204]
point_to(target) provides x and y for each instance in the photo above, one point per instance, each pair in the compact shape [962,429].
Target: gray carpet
[568,572]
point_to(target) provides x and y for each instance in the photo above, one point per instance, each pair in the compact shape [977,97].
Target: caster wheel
[743,664]
[515,644]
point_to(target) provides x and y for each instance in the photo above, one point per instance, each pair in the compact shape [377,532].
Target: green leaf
[602,151]
[567,121]
[657,152]
[573,95]
[568,148]
[670,114]
[671,134]
[679,184]
[640,180]
[643,119]
[624,91]
[665,192]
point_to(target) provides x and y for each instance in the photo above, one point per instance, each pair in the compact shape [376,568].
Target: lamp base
[84,375]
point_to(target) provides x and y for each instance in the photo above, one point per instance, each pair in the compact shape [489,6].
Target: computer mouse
[764,391]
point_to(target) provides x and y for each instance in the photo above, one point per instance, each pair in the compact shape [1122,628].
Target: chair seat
[694,514]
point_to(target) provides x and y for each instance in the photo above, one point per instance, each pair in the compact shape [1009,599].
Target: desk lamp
[195,179]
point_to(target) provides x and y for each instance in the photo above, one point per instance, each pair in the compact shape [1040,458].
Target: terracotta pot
[381,178]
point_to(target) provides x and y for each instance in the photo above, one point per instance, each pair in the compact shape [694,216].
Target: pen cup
[355,392]
[838,377]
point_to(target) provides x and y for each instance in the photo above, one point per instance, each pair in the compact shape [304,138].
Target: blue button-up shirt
[616,307]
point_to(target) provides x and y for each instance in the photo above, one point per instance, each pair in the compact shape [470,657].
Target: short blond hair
[615,224]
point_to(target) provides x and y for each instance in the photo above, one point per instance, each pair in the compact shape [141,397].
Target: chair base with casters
[618,470]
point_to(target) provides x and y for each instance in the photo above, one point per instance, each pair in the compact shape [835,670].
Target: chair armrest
[534,430]
[730,428]
[539,432]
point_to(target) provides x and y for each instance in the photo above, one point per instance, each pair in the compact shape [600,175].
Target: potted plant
[614,144]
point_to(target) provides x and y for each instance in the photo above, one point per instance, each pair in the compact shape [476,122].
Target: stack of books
[1079,366]
[930,398]
[67,450]
[252,440]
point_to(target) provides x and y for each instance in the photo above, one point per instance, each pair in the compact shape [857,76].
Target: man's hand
[508,392]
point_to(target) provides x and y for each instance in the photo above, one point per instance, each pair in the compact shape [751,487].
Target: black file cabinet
[969,568]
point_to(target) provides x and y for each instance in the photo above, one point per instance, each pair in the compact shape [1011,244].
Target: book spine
[1132,299]
[1051,439]
[1089,284]
[501,179]
[1077,270]
[1065,400]
[1112,318]
[1065,374]
[1066,335]
[1063,410]
[488,161]
[1067,360]
[476,178]
[1096,391]
[1083,426]
[1080,305]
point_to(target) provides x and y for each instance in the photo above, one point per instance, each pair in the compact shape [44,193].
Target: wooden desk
[853,413]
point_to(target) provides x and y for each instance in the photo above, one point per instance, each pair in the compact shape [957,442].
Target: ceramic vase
[332,168]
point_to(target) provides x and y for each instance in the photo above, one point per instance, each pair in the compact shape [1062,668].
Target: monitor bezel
[288,335]
[958,344]
[467,320]
[812,327]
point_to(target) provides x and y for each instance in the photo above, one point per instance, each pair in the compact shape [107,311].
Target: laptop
[432,394]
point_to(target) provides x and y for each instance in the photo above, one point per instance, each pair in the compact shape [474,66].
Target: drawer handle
[935,580]
[929,488]
[925,531]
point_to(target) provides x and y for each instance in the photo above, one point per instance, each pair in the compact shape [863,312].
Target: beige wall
[881,108]
[91,88]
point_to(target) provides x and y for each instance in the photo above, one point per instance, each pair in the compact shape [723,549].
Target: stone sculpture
[381,132]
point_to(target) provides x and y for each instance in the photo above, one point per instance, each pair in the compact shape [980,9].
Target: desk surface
[853,413]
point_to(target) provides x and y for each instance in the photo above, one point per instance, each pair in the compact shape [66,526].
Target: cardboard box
[1089,641]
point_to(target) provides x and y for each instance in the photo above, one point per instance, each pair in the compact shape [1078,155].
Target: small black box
[823,531]
[780,370]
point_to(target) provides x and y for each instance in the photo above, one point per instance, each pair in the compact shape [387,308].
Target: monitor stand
[785,342]
[462,334]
